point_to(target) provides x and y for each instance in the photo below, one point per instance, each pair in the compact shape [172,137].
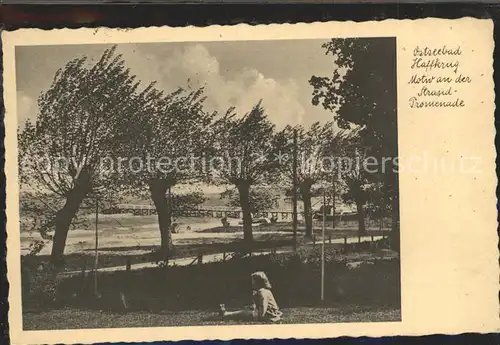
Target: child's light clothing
[266,305]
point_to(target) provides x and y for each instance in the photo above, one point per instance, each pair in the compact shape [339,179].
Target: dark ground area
[367,288]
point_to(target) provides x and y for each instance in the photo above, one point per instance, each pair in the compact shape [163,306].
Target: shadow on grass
[78,319]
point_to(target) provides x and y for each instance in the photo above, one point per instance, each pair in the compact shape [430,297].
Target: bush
[39,286]
[295,278]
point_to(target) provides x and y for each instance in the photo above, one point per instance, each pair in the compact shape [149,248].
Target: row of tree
[102,110]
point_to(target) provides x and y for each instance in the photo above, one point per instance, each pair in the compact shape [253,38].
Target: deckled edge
[95,30]
[4,303]
[244,25]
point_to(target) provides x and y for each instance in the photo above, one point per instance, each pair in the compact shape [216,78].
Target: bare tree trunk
[334,194]
[65,216]
[244,193]
[294,191]
[158,189]
[361,218]
[305,190]
[392,184]
[63,220]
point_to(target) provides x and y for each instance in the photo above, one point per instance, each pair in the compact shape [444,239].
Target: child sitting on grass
[264,306]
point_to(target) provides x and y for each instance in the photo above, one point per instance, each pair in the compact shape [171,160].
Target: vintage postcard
[307,181]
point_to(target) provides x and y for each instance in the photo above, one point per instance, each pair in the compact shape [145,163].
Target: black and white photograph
[208,183]
[308,180]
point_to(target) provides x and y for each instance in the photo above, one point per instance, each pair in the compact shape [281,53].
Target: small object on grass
[174,228]
[123,300]
[225,223]
[222,310]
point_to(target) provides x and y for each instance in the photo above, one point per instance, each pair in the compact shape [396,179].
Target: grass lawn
[183,296]
[77,319]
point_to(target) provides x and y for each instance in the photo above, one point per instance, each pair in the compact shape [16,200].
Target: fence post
[330,239]
[224,256]
[372,238]
[372,246]
[345,244]
[200,259]
[84,277]
[359,239]
[129,265]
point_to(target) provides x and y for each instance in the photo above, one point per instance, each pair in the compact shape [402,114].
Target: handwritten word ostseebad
[426,51]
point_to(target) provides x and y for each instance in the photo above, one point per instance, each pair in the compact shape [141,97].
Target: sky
[235,74]
[238,73]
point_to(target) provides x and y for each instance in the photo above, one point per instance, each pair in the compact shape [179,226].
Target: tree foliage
[186,202]
[362,89]
[245,147]
[313,162]
[260,199]
[355,176]
[76,126]
[361,92]
[168,139]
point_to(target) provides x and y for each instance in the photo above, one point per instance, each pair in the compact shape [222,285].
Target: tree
[260,199]
[168,139]
[76,127]
[376,206]
[313,145]
[335,149]
[355,176]
[362,91]
[246,145]
[186,202]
